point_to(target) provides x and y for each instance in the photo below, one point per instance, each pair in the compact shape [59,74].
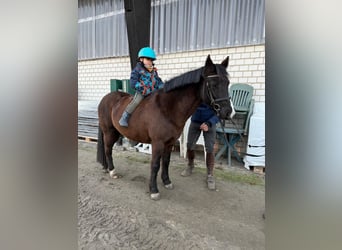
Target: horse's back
[112,99]
[108,102]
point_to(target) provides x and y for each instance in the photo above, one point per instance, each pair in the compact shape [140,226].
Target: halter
[213,102]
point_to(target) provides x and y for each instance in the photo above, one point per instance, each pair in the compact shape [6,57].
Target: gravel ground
[118,213]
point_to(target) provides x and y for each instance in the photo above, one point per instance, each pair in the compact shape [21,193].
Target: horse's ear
[225,62]
[208,62]
[209,66]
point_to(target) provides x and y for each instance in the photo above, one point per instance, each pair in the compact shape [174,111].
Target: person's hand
[204,127]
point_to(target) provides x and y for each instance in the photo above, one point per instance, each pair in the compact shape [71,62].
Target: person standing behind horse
[144,79]
[204,119]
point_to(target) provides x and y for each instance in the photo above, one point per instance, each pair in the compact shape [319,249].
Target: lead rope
[231,147]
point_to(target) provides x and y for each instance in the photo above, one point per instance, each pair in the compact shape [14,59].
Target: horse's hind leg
[165,167]
[109,138]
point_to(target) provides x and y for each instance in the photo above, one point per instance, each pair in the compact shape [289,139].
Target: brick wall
[246,65]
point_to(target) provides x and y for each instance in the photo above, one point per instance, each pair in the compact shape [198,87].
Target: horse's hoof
[155,196]
[169,186]
[113,174]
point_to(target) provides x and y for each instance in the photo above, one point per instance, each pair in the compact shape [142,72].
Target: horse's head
[215,87]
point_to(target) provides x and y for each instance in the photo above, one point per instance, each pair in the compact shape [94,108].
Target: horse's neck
[185,101]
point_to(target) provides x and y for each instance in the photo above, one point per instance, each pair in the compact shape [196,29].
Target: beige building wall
[246,65]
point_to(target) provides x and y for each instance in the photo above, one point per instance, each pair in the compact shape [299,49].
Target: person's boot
[188,170]
[210,160]
[124,119]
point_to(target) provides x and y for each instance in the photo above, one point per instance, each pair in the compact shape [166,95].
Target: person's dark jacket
[205,114]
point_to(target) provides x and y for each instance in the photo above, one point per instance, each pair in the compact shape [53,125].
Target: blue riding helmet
[147,52]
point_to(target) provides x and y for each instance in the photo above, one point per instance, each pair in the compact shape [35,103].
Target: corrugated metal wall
[101,29]
[176,25]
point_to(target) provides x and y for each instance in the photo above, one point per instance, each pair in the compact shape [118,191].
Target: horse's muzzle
[225,112]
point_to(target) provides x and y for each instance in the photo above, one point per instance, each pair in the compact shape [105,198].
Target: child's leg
[134,103]
[130,108]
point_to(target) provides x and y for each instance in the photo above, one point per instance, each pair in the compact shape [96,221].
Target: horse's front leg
[165,167]
[157,150]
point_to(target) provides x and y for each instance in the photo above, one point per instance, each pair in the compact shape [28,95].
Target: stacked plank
[88,120]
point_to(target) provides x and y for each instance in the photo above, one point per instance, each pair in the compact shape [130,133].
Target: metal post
[138,19]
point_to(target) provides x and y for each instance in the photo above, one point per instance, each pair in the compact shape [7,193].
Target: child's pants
[138,97]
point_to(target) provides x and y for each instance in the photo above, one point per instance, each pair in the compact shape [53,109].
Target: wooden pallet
[258,170]
[87,138]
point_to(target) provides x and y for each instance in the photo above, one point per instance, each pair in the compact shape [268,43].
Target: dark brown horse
[160,117]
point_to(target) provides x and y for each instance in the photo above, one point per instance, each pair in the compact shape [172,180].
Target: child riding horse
[160,117]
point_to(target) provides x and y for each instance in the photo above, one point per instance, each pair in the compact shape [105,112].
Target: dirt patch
[119,214]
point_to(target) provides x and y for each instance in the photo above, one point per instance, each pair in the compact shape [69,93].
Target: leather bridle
[208,91]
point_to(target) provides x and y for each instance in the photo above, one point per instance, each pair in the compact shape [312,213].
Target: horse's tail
[101,156]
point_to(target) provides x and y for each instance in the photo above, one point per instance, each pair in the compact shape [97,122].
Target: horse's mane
[183,80]
[190,77]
